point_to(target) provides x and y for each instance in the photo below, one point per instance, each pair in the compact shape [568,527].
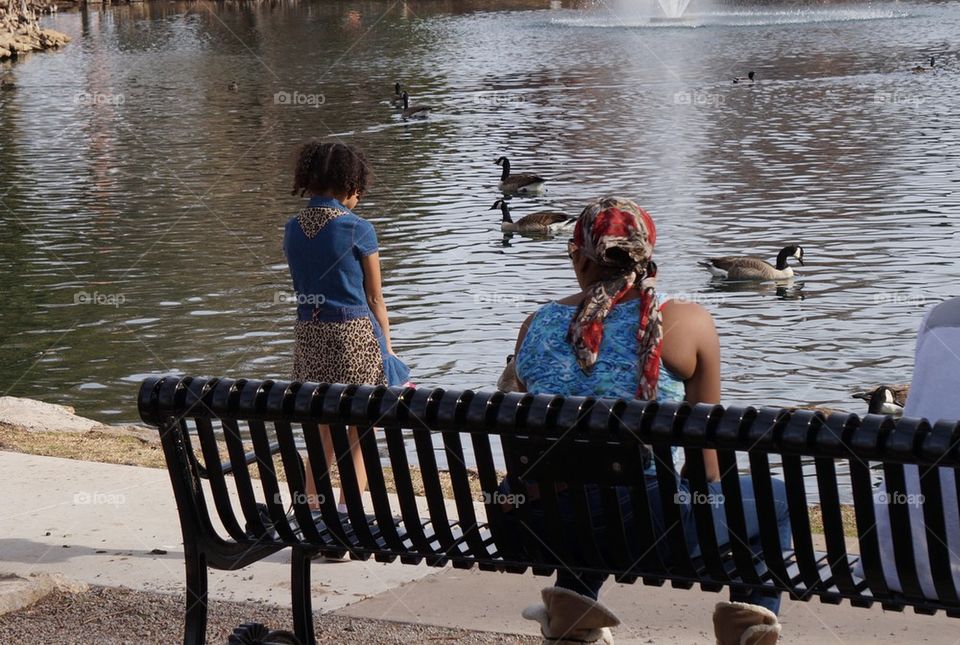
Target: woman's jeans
[589,584]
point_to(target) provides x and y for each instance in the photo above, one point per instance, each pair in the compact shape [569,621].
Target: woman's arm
[694,325]
[373,289]
[522,387]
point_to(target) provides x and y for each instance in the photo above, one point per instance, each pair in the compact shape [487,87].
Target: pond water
[144,198]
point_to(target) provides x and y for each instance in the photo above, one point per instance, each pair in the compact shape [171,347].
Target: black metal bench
[572,441]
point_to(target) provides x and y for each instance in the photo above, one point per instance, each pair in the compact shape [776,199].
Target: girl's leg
[356,455]
[312,497]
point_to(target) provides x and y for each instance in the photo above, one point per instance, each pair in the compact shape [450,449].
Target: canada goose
[540,222]
[733,267]
[920,68]
[885,399]
[415,112]
[397,98]
[524,184]
[7,84]
[233,86]
[748,79]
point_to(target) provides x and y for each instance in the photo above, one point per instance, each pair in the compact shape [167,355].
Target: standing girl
[342,334]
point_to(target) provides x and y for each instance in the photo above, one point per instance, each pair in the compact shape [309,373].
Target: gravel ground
[112,616]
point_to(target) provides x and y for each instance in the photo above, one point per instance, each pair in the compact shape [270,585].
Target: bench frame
[562,443]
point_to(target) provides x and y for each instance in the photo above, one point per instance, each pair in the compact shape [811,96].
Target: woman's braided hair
[324,167]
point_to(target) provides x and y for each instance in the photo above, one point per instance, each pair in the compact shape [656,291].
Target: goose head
[933,61]
[396,89]
[504,209]
[406,100]
[751,75]
[791,251]
[882,401]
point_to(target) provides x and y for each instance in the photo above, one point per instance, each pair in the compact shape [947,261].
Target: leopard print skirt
[337,352]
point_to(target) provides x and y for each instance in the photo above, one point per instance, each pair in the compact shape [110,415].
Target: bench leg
[195,626]
[302,602]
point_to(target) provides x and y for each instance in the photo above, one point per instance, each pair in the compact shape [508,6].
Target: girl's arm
[373,289]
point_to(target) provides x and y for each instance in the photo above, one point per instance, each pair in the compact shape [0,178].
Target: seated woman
[933,396]
[615,339]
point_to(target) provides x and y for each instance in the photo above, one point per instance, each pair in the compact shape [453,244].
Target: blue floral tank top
[546,363]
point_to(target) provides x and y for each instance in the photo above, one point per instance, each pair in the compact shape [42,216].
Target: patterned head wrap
[618,235]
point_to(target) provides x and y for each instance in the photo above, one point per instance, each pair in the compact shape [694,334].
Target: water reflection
[173,198]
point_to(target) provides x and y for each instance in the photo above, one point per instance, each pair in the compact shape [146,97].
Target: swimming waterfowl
[748,79]
[523,183]
[233,86]
[885,399]
[7,84]
[397,98]
[920,68]
[415,112]
[734,267]
[540,222]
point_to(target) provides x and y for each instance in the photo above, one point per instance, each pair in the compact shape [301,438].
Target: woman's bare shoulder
[686,314]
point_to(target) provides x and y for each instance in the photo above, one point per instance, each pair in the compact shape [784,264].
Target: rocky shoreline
[20,30]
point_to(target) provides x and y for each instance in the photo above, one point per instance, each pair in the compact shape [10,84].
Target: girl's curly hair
[330,167]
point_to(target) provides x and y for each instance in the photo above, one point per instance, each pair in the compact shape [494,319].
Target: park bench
[448,439]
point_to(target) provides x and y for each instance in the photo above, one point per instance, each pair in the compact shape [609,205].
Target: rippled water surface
[143,199]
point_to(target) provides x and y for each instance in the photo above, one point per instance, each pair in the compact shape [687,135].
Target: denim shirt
[326,268]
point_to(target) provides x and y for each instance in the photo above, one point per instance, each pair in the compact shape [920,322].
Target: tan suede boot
[740,623]
[568,618]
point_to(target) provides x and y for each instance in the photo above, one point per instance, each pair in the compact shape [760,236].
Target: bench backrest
[579,446]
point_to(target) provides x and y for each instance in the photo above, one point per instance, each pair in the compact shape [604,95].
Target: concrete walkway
[117,526]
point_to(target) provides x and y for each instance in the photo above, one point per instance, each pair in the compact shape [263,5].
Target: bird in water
[233,86]
[397,98]
[7,84]
[540,222]
[919,69]
[746,80]
[523,184]
[415,112]
[745,267]
[885,399]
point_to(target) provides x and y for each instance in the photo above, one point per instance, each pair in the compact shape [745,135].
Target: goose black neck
[406,102]
[782,259]
[506,171]
[505,211]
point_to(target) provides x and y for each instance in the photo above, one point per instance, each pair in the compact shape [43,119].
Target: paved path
[99,523]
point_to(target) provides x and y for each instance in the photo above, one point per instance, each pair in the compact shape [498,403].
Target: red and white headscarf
[617,234]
